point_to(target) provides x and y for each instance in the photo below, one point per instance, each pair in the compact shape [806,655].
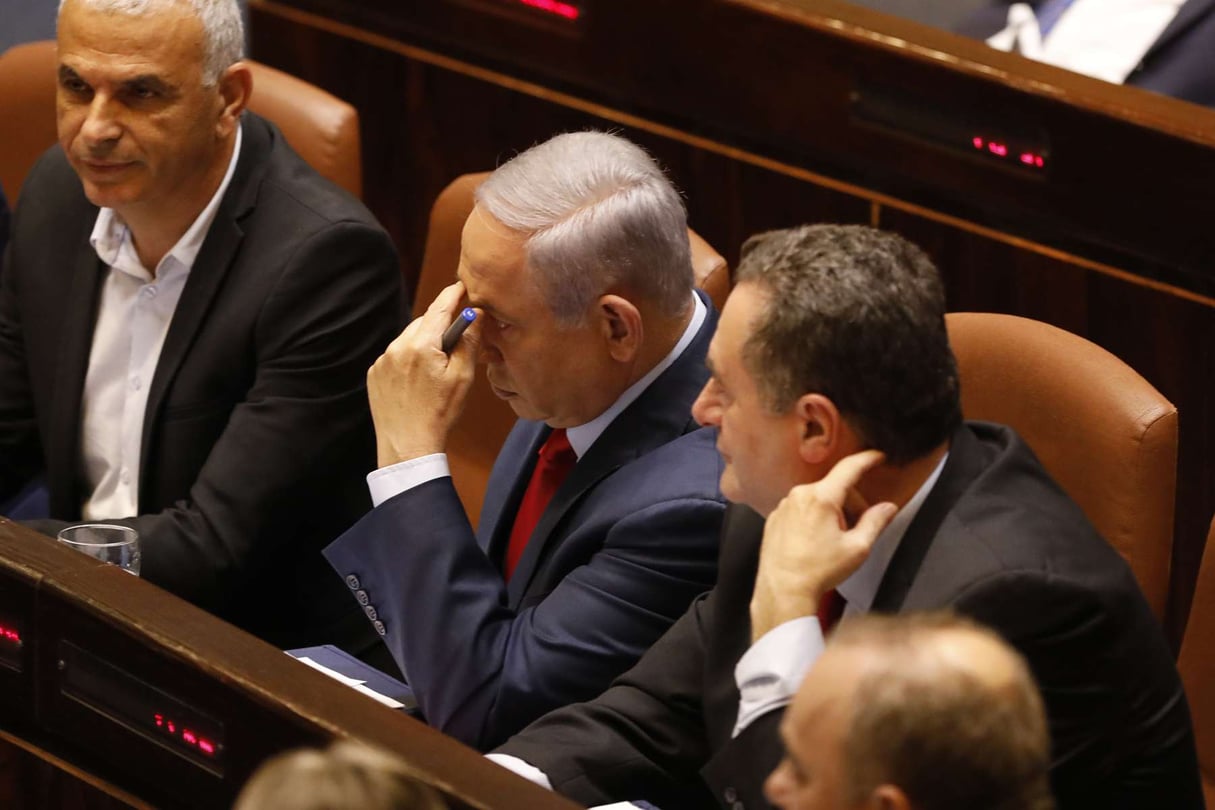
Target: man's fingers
[441,312]
[873,521]
[428,329]
[846,473]
[448,299]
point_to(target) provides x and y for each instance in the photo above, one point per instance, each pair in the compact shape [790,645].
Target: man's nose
[705,410]
[102,124]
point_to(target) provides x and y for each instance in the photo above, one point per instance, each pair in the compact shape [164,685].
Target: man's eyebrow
[488,309]
[477,303]
[66,72]
[148,80]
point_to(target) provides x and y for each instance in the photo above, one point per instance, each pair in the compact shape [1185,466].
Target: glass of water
[116,545]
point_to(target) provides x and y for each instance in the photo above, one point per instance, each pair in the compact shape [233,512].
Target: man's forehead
[170,33]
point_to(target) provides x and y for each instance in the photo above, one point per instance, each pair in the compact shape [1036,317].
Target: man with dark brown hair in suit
[835,394]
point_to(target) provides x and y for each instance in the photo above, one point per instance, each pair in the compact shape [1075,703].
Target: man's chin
[107,196]
[523,409]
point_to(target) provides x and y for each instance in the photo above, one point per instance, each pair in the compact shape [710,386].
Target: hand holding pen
[416,393]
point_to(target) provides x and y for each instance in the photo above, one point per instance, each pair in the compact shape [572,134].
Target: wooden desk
[149,701]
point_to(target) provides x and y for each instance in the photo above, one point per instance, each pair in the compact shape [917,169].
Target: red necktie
[830,609]
[556,460]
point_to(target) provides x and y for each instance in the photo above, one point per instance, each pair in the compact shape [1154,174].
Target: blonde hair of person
[344,775]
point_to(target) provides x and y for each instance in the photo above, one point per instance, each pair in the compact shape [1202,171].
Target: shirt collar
[860,589]
[583,436]
[111,238]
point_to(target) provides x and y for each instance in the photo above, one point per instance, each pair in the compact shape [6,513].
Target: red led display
[1000,149]
[185,735]
[10,634]
[556,7]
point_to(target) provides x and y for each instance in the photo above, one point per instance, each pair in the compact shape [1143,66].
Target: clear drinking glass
[116,545]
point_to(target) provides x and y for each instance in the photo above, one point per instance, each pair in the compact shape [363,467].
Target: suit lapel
[514,470]
[1189,13]
[78,318]
[207,275]
[663,412]
[964,464]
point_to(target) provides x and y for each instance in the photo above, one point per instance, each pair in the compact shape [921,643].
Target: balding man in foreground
[925,711]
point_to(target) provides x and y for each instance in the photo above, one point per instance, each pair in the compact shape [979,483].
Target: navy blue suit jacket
[996,540]
[1180,63]
[626,544]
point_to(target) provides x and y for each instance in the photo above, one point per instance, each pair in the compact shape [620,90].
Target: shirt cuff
[769,674]
[388,482]
[534,774]
[520,768]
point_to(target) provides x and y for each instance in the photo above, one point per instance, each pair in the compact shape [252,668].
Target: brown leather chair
[482,429]
[1197,665]
[1106,435]
[322,128]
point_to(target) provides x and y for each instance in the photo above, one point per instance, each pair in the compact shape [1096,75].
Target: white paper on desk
[356,685]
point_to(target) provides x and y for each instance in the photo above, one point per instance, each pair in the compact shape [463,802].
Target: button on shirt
[133,317]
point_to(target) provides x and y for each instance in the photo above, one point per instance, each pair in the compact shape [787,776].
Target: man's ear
[235,87]
[821,426]
[621,325]
[888,797]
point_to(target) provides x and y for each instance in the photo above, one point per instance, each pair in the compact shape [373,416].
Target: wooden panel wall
[1103,247]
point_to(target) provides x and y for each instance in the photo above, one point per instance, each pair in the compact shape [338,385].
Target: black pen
[452,335]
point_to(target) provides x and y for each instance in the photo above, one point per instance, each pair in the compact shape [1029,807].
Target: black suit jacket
[628,541]
[995,539]
[257,432]
[1180,63]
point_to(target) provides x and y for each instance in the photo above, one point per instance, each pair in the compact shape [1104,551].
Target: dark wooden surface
[747,104]
[266,701]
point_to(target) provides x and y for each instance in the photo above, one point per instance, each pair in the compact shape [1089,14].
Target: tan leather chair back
[1197,665]
[322,128]
[1106,435]
[482,429]
[27,111]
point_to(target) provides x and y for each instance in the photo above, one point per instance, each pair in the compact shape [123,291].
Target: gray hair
[346,774]
[223,27]
[599,215]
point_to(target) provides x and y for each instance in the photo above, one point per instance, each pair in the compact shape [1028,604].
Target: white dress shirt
[133,316]
[390,481]
[1105,39]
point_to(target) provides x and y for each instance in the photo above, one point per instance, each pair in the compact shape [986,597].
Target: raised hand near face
[810,546]
[416,390]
